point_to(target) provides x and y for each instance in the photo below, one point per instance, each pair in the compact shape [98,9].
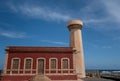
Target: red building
[24,63]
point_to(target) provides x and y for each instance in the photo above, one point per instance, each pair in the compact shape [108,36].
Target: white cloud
[113,8]
[4,24]
[40,12]
[106,47]
[48,13]
[99,46]
[13,34]
[93,21]
[116,38]
[54,42]
[95,14]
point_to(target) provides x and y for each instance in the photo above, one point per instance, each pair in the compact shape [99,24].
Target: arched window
[15,63]
[65,63]
[53,64]
[28,63]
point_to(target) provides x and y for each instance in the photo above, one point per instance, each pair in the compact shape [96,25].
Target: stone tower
[75,27]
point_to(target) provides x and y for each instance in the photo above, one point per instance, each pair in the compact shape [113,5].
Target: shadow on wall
[1,74]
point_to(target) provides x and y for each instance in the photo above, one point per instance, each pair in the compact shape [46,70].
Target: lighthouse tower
[75,27]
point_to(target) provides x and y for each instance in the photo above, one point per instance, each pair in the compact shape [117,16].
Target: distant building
[24,63]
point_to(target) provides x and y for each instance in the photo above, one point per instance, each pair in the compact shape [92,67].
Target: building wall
[36,53]
[35,56]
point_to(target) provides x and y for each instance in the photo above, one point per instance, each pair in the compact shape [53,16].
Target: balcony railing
[35,71]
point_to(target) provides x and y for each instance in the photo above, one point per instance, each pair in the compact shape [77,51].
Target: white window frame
[25,64]
[18,64]
[50,63]
[68,63]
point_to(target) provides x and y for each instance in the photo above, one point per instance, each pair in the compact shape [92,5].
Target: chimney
[75,27]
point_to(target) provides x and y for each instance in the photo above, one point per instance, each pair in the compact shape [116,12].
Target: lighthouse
[75,28]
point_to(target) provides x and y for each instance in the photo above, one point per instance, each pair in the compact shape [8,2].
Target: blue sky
[43,23]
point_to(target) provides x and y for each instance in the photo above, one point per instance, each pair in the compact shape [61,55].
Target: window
[65,64]
[53,64]
[15,64]
[28,63]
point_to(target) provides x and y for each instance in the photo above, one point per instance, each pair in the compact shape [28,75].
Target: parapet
[74,22]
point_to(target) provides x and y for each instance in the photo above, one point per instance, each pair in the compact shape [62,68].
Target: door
[40,66]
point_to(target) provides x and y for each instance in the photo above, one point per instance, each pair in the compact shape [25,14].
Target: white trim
[67,80]
[18,64]
[50,63]
[25,64]
[74,72]
[5,63]
[50,69]
[74,58]
[55,74]
[44,64]
[62,63]
[20,74]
